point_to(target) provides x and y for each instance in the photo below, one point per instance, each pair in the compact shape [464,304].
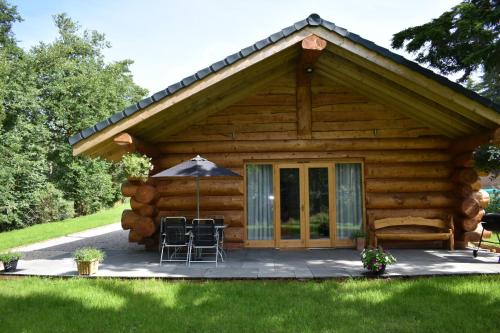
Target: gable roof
[314,20]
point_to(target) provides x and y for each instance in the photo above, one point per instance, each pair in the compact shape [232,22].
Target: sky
[172,39]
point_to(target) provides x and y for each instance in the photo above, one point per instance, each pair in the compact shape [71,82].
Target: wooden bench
[443,230]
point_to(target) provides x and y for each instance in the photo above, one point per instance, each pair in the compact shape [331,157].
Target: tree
[8,16]
[77,88]
[463,40]
[47,94]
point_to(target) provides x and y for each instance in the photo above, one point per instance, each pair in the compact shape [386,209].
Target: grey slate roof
[314,20]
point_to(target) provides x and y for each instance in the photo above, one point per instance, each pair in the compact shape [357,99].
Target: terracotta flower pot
[87,267]
[360,243]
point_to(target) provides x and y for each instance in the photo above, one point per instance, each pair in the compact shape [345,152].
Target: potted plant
[88,259]
[10,260]
[376,260]
[360,237]
[137,166]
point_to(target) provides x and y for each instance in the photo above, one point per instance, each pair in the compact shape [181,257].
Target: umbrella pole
[198,196]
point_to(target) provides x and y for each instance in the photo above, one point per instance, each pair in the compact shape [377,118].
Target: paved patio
[54,258]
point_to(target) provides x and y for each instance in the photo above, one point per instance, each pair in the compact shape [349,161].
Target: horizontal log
[338,98]
[145,227]
[232,218]
[262,136]
[129,219]
[354,112]
[145,194]
[268,100]
[408,185]
[208,186]
[416,170]
[470,224]
[236,160]
[468,144]
[234,234]
[323,126]
[465,176]
[255,110]
[244,128]
[251,118]
[475,235]
[384,133]
[152,243]
[469,207]
[467,190]
[206,203]
[134,236]
[133,144]
[129,189]
[464,160]
[495,137]
[482,197]
[303,145]
[409,200]
[142,209]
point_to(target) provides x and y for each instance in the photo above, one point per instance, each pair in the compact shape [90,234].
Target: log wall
[408,167]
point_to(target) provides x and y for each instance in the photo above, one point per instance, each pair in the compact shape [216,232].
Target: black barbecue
[490,222]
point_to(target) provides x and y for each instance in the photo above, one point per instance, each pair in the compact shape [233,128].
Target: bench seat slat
[409,221]
[417,237]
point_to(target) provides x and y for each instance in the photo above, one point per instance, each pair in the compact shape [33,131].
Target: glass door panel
[319,203]
[260,202]
[349,195]
[290,204]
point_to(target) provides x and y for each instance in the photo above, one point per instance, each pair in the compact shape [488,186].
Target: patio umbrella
[196,167]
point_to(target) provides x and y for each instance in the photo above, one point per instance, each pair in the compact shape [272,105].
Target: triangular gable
[262,60]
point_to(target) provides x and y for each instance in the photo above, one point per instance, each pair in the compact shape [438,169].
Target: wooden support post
[312,48]
[132,144]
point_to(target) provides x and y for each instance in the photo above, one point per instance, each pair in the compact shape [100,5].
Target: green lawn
[444,304]
[46,231]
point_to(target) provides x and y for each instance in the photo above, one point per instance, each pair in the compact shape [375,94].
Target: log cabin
[328,131]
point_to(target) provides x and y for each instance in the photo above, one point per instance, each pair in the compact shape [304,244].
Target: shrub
[10,256]
[88,254]
[494,206]
[487,158]
[51,205]
[137,166]
[90,184]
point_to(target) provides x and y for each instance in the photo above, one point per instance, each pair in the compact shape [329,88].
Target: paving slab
[123,259]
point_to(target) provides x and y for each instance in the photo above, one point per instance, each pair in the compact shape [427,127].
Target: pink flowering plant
[376,259]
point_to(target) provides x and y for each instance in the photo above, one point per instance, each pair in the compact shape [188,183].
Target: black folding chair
[173,235]
[203,236]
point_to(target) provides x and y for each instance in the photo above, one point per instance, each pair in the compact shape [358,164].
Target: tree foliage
[47,94]
[8,16]
[465,39]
